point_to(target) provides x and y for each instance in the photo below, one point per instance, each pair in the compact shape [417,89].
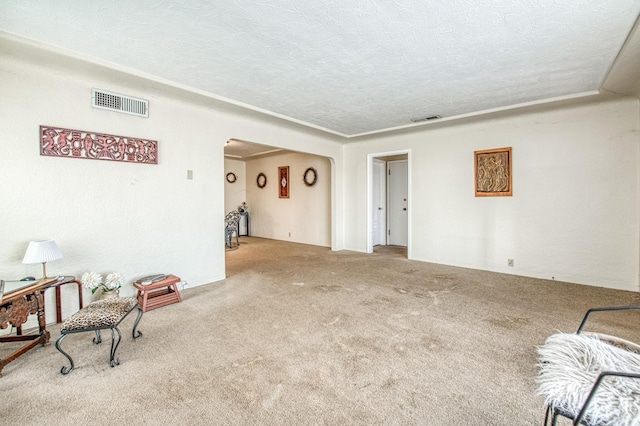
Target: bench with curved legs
[97,316]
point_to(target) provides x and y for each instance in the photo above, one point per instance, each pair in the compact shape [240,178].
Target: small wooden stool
[158,294]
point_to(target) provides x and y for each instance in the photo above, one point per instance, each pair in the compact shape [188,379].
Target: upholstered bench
[100,315]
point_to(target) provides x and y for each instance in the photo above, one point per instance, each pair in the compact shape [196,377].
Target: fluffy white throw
[569,366]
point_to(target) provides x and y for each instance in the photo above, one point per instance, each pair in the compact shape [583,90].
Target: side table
[158,294]
[245,215]
[15,308]
[67,279]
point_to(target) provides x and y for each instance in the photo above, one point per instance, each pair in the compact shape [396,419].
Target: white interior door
[398,217]
[379,203]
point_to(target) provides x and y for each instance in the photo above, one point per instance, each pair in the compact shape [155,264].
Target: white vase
[109,294]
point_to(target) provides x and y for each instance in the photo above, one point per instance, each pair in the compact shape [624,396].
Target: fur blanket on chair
[569,366]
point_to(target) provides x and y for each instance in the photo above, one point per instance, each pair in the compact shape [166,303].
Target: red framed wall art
[283,180]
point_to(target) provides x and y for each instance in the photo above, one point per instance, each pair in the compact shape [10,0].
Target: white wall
[107,216]
[304,217]
[112,216]
[234,193]
[574,212]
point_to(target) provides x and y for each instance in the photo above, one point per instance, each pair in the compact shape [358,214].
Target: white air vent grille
[120,103]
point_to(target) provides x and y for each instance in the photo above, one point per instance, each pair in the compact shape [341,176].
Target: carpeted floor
[298,334]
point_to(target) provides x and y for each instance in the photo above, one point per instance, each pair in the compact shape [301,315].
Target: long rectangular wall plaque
[63,142]
[283,175]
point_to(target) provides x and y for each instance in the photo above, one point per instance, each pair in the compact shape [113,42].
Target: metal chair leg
[546,416]
[98,338]
[64,370]
[135,334]
[114,347]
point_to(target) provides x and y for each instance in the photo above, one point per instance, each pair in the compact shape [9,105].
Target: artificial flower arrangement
[93,281]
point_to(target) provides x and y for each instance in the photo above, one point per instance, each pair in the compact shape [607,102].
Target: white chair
[591,378]
[232,226]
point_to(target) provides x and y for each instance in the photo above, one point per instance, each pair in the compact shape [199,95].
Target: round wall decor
[310,176]
[261,180]
[231,177]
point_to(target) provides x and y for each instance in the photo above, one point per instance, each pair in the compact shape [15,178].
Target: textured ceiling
[350,67]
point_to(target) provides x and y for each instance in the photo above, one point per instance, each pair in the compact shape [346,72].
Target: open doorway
[236,155]
[388,201]
[303,215]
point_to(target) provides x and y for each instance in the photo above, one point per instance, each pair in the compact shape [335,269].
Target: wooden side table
[67,279]
[16,306]
[158,294]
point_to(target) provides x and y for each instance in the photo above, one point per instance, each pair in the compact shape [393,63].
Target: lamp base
[44,271]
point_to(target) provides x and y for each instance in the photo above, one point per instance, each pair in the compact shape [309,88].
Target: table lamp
[42,252]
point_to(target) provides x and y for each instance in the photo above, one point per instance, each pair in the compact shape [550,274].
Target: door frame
[382,192]
[370,206]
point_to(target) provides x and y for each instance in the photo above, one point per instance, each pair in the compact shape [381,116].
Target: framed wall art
[493,172]
[63,142]
[283,180]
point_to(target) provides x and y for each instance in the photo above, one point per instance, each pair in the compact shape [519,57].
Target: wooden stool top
[171,279]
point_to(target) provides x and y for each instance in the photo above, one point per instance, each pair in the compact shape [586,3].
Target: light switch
[190,174]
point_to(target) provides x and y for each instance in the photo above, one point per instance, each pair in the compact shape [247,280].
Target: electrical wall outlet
[185,285]
[510,262]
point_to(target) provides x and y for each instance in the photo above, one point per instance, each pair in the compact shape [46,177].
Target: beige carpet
[299,335]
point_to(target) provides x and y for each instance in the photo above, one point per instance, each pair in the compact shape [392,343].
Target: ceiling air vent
[421,119]
[120,103]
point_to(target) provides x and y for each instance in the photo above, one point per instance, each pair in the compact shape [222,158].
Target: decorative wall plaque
[63,142]
[493,172]
[283,182]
